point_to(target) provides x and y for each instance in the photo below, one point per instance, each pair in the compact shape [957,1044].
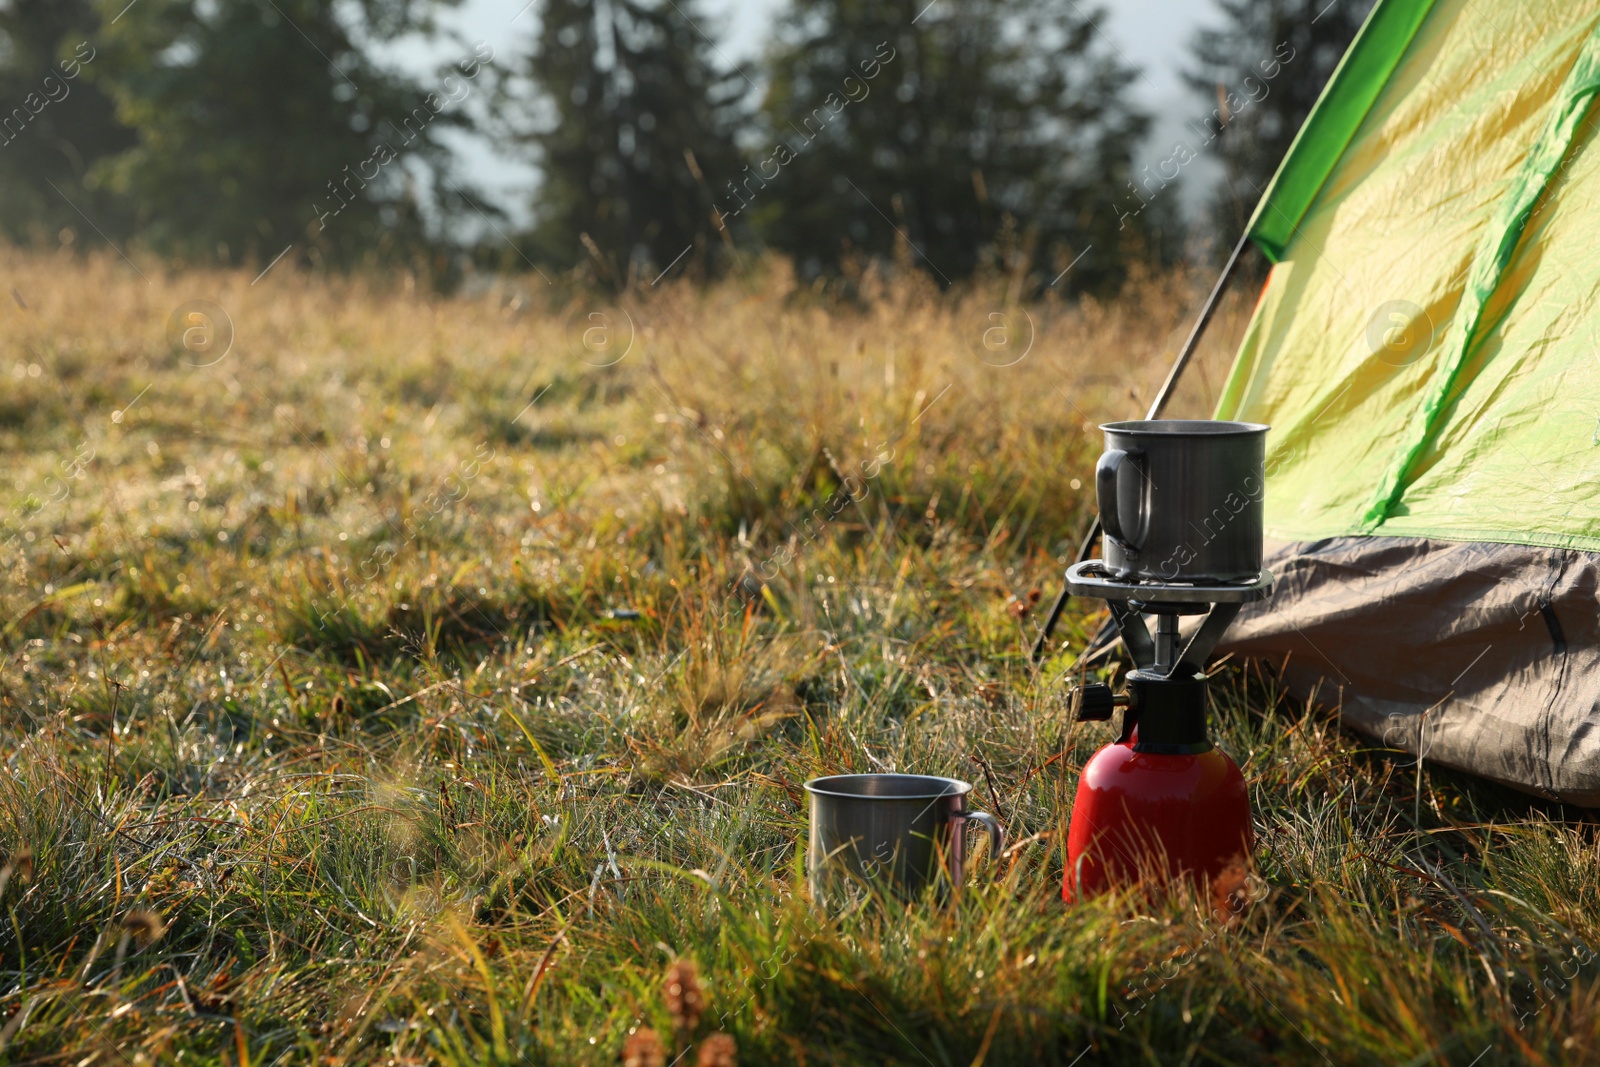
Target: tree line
[956,136]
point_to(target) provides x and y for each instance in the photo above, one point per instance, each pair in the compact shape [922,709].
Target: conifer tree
[263,127]
[945,126]
[56,124]
[632,111]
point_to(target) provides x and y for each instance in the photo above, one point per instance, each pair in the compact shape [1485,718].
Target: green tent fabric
[1427,351]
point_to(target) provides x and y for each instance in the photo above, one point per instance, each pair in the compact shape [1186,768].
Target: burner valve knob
[1093,702]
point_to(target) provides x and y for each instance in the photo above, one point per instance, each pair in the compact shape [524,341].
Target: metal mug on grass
[901,830]
[1181,499]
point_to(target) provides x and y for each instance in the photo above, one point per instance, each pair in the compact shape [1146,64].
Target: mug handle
[1107,480]
[997,839]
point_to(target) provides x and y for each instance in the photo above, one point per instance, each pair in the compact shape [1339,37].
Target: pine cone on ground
[719,1050]
[684,1000]
[643,1049]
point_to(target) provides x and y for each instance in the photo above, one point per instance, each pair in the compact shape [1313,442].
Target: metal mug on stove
[903,831]
[1181,500]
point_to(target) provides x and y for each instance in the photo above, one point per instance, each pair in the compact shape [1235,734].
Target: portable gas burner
[1162,800]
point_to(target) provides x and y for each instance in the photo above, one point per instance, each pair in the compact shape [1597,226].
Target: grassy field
[432,680]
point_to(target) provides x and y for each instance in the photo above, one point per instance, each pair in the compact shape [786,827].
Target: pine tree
[946,126]
[1259,74]
[56,124]
[634,111]
[266,126]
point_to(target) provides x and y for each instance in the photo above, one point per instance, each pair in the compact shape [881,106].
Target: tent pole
[1156,407]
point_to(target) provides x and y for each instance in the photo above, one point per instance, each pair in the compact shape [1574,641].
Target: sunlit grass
[411,687]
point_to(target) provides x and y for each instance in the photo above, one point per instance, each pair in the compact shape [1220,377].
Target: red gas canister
[1161,801]
[1144,813]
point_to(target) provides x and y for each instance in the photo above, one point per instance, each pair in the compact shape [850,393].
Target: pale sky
[1151,35]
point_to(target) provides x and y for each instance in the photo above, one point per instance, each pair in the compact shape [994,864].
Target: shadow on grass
[443,620]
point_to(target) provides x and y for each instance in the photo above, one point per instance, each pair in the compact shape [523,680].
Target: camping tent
[1427,351]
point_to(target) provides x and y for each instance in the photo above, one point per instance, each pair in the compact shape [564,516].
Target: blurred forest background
[985,135]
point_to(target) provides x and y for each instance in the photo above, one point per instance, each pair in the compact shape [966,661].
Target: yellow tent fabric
[1425,348]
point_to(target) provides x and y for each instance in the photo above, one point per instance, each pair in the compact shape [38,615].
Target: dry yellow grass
[754,376]
[425,677]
